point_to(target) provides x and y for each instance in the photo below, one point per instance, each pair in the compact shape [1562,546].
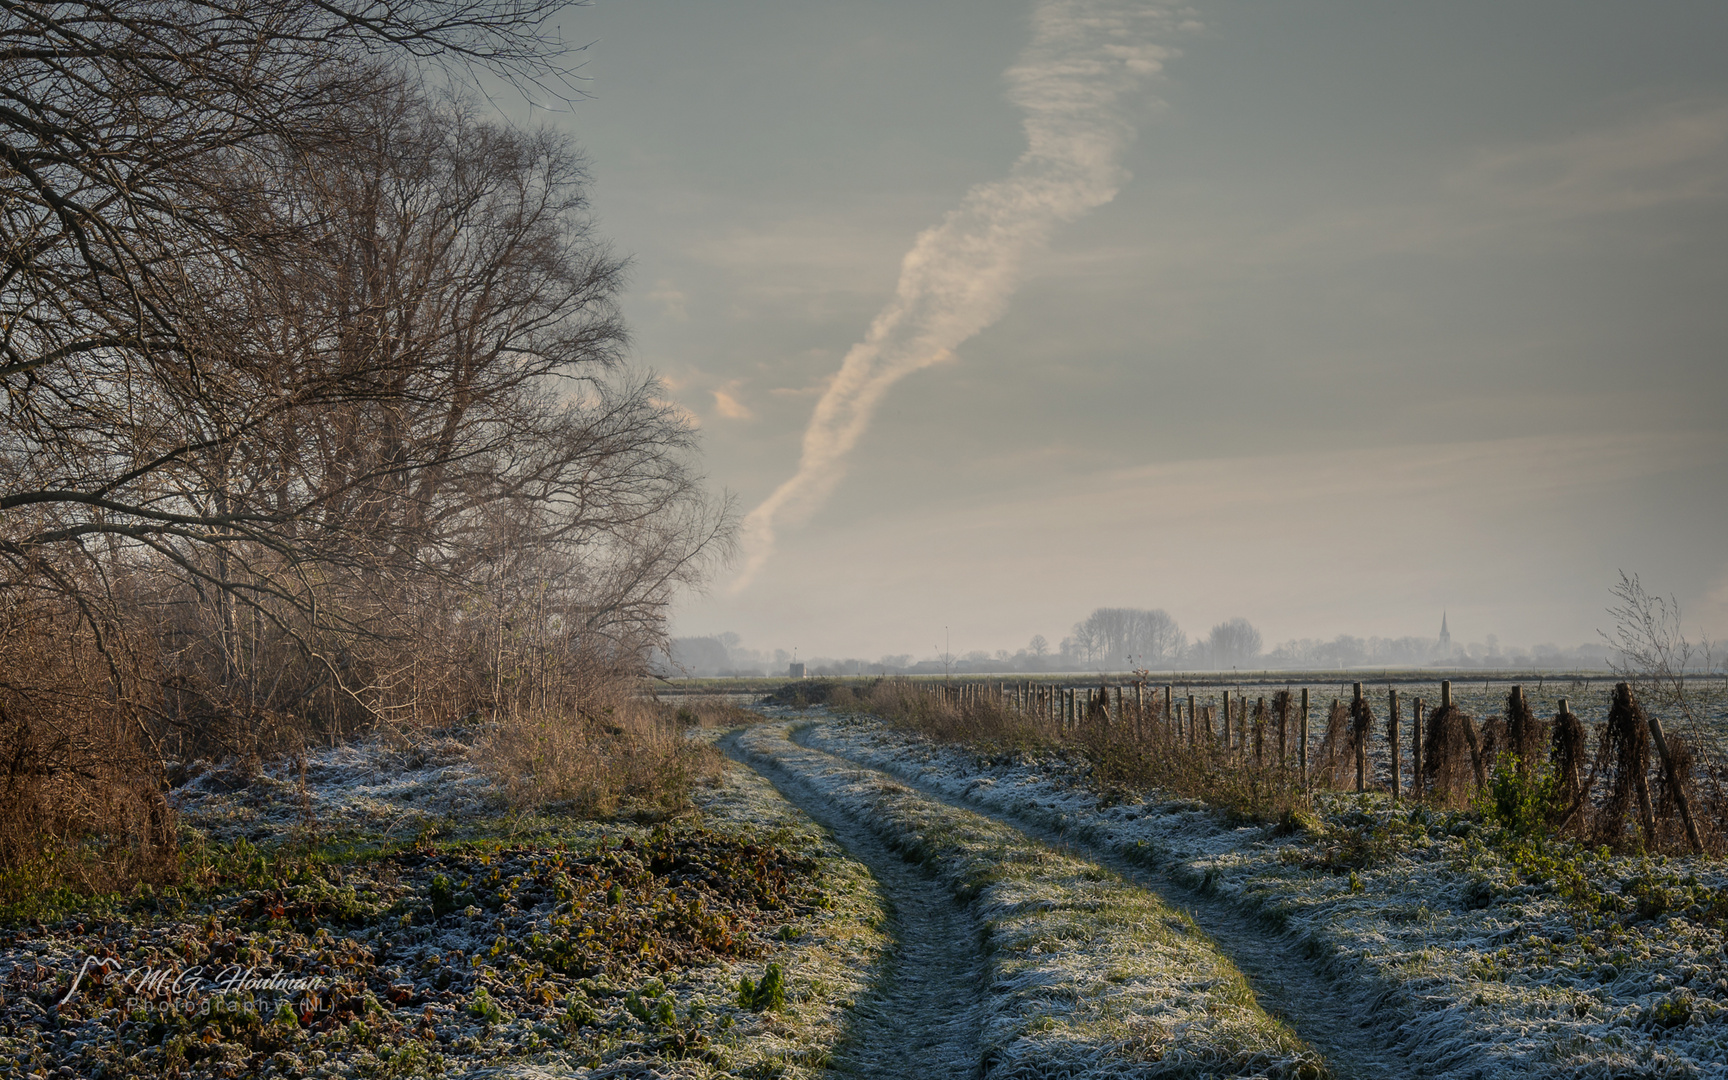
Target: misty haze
[981,539]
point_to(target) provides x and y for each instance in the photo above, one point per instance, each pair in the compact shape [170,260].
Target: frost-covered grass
[1087,975]
[1479,955]
[447,936]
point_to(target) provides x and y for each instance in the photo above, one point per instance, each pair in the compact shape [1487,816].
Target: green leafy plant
[1673,1011]
[487,1009]
[1523,801]
[770,993]
[578,1014]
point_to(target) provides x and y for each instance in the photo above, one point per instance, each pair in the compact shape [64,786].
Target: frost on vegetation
[371,788]
[585,949]
[1479,953]
[1087,976]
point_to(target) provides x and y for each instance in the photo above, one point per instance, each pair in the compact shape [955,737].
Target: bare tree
[128,215]
[295,356]
[482,450]
[1654,652]
[1152,637]
[1233,643]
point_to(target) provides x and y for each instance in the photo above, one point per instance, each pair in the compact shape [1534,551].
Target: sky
[1331,315]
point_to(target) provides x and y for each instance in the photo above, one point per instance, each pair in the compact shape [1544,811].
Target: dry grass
[620,756]
[713,711]
[1563,789]
[1127,754]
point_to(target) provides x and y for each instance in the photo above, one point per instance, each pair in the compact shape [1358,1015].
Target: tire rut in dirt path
[1287,982]
[924,1015]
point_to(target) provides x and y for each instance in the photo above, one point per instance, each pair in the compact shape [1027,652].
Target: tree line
[316,406]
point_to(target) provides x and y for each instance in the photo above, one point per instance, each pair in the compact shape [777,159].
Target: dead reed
[1623,759]
[1451,768]
[1333,757]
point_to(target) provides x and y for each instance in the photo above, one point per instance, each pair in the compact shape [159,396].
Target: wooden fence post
[1361,741]
[1392,737]
[1416,748]
[1640,785]
[1674,787]
[1260,732]
[1302,744]
[1193,728]
[1224,729]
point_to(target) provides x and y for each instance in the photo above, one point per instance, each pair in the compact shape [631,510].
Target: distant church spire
[1445,634]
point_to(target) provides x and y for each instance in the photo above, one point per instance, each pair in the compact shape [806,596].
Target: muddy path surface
[923,1016]
[1287,982]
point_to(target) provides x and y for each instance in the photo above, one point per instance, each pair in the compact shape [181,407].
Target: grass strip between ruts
[1087,974]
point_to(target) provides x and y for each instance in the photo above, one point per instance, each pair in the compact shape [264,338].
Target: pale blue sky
[1404,307]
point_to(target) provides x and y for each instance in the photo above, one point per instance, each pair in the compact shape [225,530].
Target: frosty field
[850,899]
[1463,961]
[485,944]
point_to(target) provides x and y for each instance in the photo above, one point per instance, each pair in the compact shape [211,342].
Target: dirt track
[921,1019]
[1287,983]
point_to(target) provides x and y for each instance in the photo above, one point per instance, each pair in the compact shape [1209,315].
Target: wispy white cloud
[1086,61]
[726,402]
[1679,153]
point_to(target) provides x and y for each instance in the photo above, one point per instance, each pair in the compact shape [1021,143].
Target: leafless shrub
[80,785]
[315,417]
[1661,666]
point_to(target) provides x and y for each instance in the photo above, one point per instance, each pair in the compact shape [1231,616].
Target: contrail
[1087,58]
